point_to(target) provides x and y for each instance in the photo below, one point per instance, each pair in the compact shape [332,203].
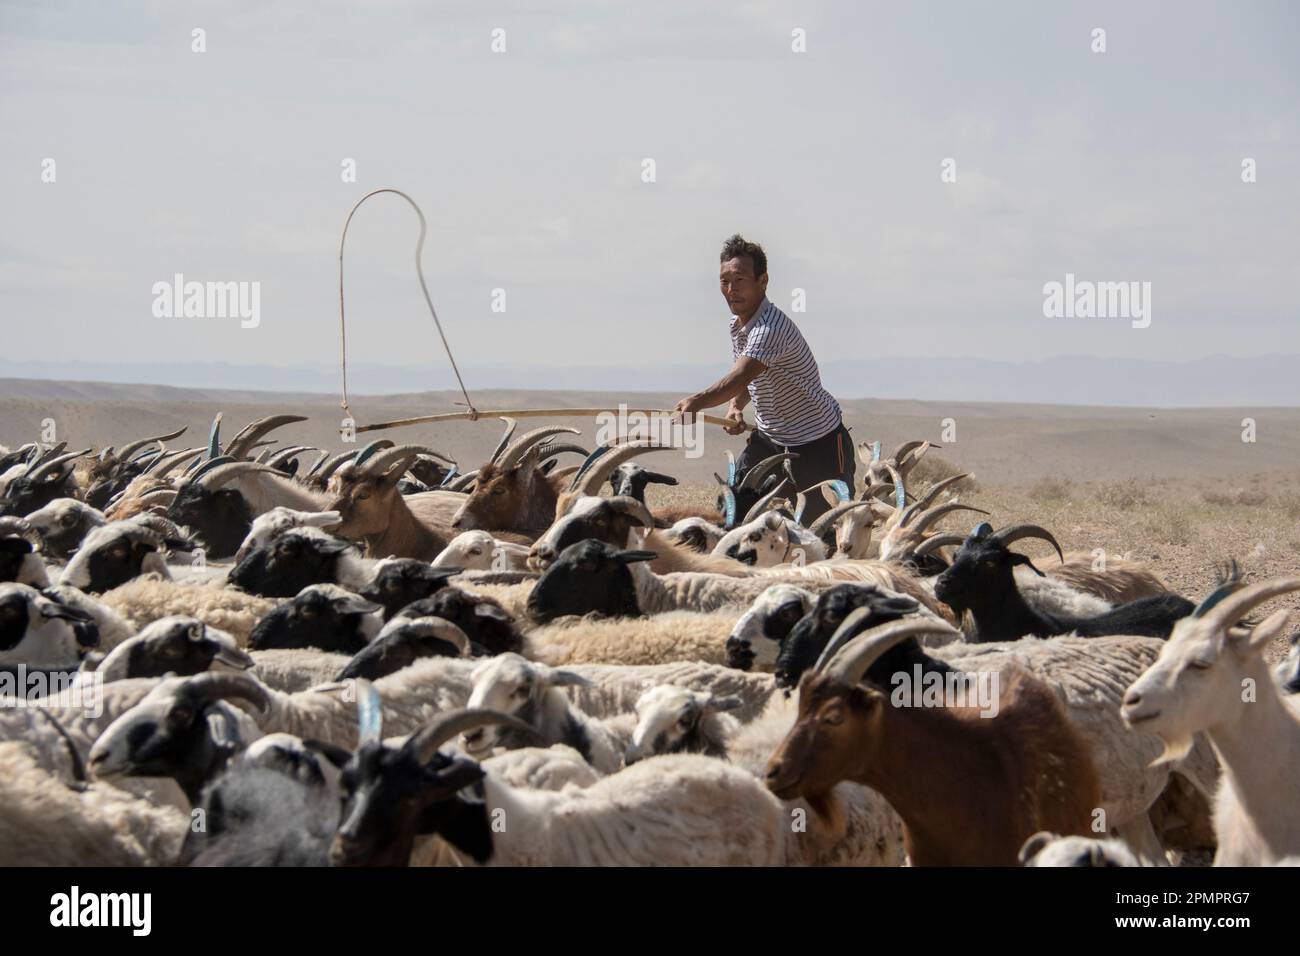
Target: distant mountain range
[1215,381]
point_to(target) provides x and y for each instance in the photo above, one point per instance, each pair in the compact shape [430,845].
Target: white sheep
[480,551]
[1051,849]
[273,523]
[1211,676]
[40,632]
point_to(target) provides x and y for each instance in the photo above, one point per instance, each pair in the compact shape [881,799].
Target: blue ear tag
[875,450]
[841,490]
[370,712]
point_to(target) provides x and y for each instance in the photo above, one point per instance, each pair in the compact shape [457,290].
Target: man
[776,370]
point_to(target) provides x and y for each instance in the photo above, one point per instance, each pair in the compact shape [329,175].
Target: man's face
[743,290]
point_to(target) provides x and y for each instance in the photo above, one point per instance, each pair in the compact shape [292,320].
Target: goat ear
[1262,634]
[1018,558]
[456,776]
[1034,845]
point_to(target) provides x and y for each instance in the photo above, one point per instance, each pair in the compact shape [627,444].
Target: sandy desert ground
[1179,489]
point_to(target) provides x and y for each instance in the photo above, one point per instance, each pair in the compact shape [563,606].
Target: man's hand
[735,415]
[689,404]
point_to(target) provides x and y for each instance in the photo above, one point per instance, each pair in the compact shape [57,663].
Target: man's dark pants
[830,456]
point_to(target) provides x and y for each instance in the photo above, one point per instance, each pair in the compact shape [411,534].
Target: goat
[398,582]
[62,524]
[757,638]
[980,581]
[324,616]
[1034,769]
[297,558]
[512,493]
[1211,676]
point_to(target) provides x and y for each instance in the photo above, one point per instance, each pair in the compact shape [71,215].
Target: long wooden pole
[533,413]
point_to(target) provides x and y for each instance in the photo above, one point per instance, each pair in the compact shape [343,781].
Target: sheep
[397,582]
[1052,849]
[679,720]
[1288,671]
[771,539]
[142,600]
[529,691]
[19,562]
[682,810]
[1197,684]
[980,581]
[46,822]
[62,524]
[489,627]
[297,558]
[114,553]
[756,639]
[38,631]
[478,550]
[296,670]
[671,636]
[271,524]
[170,645]
[323,616]
[697,534]
[593,576]
[1034,768]
[401,643]
[389,523]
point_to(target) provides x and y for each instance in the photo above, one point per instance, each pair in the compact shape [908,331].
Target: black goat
[322,616]
[400,581]
[290,562]
[807,640]
[980,580]
[739,493]
[631,478]
[588,576]
[219,517]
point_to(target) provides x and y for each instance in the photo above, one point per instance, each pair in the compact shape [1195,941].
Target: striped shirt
[790,405]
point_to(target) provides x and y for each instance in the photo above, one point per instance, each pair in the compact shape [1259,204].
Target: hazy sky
[225,166]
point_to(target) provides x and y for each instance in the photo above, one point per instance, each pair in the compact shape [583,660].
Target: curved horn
[876,489]
[212,685]
[552,449]
[425,742]
[854,655]
[364,454]
[729,507]
[58,461]
[629,505]
[22,528]
[596,453]
[756,475]
[1232,608]
[320,460]
[385,460]
[731,468]
[520,446]
[1231,580]
[248,436]
[214,437]
[205,465]
[170,461]
[589,483]
[1007,535]
[335,463]
[511,425]
[934,514]
[214,479]
[282,458]
[464,481]
[761,504]
[936,541]
[443,630]
[134,446]
[162,496]
[827,521]
[934,490]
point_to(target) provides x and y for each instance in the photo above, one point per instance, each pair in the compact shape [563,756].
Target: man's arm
[733,387]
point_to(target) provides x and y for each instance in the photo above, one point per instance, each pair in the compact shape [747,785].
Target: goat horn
[247,436]
[214,437]
[425,742]
[214,479]
[1232,608]
[521,445]
[729,507]
[159,496]
[596,453]
[852,653]
[320,460]
[212,685]
[443,630]
[384,461]
[1007,535]
[876,489]
[335,463]
[599,472]
[933,491]
[628,505]
[511,424]
[901,451]
[58,461]
[731,468]
[202,467]
[936,541]
[170,461]
[928,518]
[41,455]
[552,449]
[1232,581]
[282,458]
[22,528]
[366,451]
[761,504]
[827,520]
[464,481]
[756,475]
[127,450]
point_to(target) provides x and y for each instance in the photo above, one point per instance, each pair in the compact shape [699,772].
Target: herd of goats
[250,653]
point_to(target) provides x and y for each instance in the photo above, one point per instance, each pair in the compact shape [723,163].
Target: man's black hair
[738,246]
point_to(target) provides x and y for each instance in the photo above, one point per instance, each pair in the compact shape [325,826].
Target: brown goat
[372,510]
[970,788]
[511,492]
